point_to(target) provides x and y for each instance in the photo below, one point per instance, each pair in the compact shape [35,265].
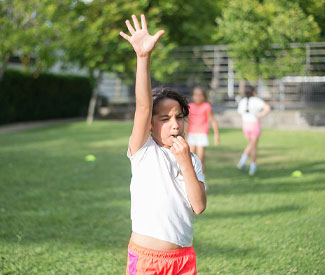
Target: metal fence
[212,68]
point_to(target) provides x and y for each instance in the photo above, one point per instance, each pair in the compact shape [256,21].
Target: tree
[315,8]
[27,30]
[93,40]
[253,28]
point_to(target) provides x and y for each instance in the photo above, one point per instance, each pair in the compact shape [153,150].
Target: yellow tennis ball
[296,174]
[90,157]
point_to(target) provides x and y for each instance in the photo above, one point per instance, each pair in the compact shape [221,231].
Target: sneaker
[252,171]
[241,166]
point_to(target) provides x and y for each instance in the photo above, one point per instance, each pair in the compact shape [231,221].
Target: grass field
[62,215]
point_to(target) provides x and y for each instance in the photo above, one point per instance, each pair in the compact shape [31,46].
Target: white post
[282,96]
[230,79]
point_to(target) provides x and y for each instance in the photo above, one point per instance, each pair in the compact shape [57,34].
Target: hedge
[49,96]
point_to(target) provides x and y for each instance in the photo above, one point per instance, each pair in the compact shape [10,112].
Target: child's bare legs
[251,149]
[200,154]
[199,150]
[253,152]
[193,149]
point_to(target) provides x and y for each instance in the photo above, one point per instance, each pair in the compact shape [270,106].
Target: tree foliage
[254,29]
[28,30]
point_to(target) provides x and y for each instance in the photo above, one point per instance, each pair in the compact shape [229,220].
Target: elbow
[200,209]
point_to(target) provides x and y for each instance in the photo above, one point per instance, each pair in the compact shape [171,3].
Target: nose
[175,124]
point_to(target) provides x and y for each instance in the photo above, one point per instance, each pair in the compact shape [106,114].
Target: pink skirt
[252,129]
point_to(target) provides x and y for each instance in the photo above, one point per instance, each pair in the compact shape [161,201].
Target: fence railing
[212,68]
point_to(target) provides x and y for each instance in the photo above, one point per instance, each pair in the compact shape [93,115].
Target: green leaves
[253,28]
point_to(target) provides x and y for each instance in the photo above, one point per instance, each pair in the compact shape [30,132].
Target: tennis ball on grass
[296,174]
[90,158]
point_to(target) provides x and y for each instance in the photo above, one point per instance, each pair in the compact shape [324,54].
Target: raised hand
[142,42]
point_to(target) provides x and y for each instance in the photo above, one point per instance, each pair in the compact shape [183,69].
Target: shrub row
[49,96]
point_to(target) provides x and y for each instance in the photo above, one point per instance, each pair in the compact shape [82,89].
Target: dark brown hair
[249,91]
[161,93]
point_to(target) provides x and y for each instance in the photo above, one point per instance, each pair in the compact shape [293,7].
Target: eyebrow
[180,114]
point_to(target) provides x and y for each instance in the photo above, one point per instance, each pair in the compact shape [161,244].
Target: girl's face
[167,123]
[198,96]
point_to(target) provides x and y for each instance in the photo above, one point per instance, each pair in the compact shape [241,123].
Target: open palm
[140,39]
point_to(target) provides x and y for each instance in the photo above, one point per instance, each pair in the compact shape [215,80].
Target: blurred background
[65,58]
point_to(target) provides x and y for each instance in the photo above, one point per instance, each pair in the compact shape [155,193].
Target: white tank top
[159,204]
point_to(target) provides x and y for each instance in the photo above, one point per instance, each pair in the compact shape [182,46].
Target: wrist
[144,56]
[186,165]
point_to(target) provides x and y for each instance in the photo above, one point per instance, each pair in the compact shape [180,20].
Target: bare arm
[265,111]
[215,128]
[194,188]
[143,44]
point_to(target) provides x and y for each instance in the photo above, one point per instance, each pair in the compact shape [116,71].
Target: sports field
[60,214]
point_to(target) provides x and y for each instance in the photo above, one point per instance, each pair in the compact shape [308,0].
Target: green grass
[62,215]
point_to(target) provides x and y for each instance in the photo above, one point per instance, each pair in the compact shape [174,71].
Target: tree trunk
[242,84]
[4,65]
[93,99]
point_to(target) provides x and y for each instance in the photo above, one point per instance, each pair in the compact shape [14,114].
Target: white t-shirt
[255,106]
[159,204]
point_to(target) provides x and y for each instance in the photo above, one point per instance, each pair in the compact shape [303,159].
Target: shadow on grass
[66,200]
[213,250]
[262,212]
[272,178]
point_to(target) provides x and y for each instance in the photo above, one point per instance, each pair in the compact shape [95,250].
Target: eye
[180,117]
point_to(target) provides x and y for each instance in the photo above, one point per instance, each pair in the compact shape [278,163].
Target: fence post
[230,79]
[307,59]
[282,95]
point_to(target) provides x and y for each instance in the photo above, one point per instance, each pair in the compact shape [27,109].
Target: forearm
[143,92]
[143,109]
[214,123]
[195,189]
[215,127]
[265,111]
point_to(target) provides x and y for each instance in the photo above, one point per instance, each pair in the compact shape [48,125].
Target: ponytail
[249,92]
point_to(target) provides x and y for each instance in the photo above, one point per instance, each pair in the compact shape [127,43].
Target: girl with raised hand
[167,185]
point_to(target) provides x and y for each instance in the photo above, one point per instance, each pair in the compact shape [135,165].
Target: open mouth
[175,136]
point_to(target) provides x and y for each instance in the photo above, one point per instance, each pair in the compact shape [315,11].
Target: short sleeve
[260,103]
[240,108]
[141,152]
[198,168]
[208,107]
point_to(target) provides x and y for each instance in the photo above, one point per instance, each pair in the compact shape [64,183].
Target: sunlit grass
[62,215]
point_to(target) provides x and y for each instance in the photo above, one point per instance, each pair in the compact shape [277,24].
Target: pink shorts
[144,261]
[252,129]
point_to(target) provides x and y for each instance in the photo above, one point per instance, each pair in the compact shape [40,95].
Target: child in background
[252,109]
[198,124]
[167,185]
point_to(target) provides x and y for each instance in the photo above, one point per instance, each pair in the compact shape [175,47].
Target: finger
[181,140]
[143,22]
[158,35]
[130,28]
[125,36]
[176,146]
[136,22]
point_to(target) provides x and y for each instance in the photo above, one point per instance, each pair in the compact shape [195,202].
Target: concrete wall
[288,119]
